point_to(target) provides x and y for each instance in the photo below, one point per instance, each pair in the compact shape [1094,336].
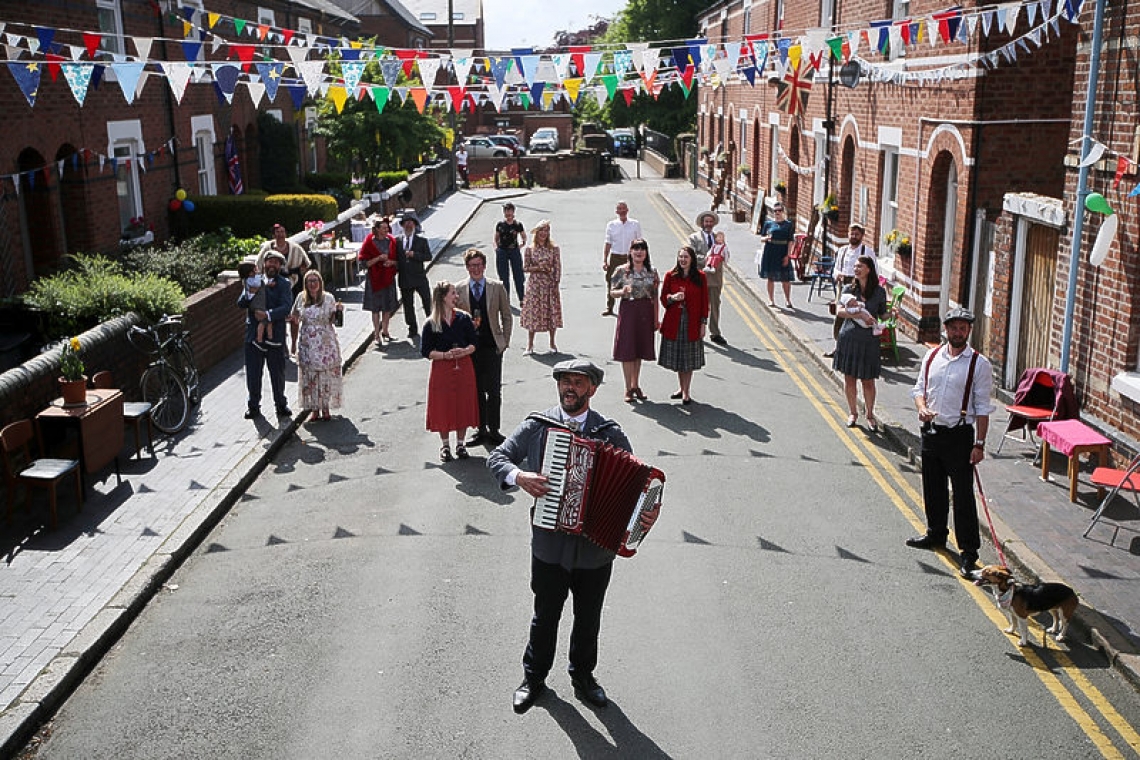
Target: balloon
[1096,202]
[1104,240]
[180,195]
[175,204]
[188,205]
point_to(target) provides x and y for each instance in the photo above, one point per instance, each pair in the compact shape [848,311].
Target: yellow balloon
[180,195]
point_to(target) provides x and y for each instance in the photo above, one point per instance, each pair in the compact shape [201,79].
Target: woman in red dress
[448,339]
[378,255]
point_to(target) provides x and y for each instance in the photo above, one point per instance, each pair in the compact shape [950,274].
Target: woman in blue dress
[775,261]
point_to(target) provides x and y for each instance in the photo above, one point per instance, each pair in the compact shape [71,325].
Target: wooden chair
[1126,481]
[134,413]
[21,468]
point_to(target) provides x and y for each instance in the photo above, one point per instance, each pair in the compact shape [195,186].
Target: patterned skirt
[682,355]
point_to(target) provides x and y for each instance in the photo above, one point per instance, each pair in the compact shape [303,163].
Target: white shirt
[620,234]
[948,382]
[846,257]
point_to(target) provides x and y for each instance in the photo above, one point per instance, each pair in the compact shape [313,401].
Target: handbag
[832,308]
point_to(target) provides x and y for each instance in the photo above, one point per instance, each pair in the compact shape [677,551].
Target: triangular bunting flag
[390,70]
[270,74]
[91,41]
[573,85]
[77,76]
[419,97]
[352,72]
[27,75]
[256,91]
[429,67]
[177,75]
[338,96]
[191,49]
[380,96]
[312,73]
[128,75]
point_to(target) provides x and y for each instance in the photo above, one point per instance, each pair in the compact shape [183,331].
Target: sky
[526,23]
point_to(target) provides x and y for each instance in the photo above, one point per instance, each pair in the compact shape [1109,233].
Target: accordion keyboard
[554,461]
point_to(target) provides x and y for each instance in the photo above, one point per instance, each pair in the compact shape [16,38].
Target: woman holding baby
[857,353]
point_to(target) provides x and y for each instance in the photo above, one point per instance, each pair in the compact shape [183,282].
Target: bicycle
[171,383]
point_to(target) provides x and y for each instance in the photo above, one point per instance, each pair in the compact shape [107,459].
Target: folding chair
[1118,480]
[796,255]
[822,275]
[1043,395]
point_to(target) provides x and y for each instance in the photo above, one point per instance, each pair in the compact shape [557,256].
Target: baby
[247,271]
[717,255]
[855,307]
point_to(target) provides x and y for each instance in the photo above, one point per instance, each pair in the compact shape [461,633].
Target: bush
[195,263]
[320,182]
[97,290]
[388,179]
[250,216]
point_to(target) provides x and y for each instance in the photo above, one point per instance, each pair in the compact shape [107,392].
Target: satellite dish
[849,74]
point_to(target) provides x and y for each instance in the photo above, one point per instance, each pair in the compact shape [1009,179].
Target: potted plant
[781,188]
[745,170]
[830,208]
[72,381]
[899,242]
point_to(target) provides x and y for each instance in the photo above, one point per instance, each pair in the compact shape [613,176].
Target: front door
[1038,286]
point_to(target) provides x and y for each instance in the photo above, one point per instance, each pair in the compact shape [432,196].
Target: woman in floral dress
[318,358]
[542,308]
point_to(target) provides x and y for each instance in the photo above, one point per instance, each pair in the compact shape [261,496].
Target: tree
[367,140]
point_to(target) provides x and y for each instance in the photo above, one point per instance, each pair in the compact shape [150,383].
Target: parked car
[625,142]
[483,147]
[508,141]
[544,140]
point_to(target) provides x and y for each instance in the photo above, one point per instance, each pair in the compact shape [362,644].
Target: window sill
[1127,384]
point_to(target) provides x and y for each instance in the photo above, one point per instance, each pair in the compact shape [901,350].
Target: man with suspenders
[952,396]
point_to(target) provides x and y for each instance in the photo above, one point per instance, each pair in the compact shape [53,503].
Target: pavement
[69,593]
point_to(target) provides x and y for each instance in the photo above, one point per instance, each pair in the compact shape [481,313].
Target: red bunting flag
[92,40]
[1121,167]
[53,62]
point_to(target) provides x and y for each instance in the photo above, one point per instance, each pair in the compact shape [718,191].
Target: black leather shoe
[589,690]
[478,438]
[252,414]
[719,340]
[926,541]
[526,695]
[967,564]
[495,437]
[284,411]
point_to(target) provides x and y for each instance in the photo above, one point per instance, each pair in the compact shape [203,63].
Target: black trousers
[407,295]
[488,364]
[551,584]
[946,457]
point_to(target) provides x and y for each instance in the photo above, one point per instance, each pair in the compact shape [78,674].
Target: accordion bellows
[596,490]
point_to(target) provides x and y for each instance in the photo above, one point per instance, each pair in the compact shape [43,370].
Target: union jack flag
[794,90]
[233,166]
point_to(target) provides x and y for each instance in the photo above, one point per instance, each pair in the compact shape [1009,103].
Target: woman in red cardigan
[685,296]
[378,256]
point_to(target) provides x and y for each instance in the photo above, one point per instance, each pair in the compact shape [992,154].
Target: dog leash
[989,520]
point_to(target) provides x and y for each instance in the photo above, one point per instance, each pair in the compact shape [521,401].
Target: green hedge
[319,182]
[255,216]
[195,263]
[97,290]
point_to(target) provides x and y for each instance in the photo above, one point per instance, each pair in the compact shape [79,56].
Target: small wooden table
[99,424]
[1071,438]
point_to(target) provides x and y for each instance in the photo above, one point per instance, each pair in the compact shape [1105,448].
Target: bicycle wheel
[182,357]
[163,389]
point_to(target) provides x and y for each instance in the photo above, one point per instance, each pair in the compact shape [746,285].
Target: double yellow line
[907,501]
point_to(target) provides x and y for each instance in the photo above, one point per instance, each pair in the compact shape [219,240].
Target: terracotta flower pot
[74,392]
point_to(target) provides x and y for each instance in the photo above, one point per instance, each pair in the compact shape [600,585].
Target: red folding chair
[1043,395]
[796,255]
[1127,481]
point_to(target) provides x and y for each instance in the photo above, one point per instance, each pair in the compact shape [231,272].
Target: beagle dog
[1019,601]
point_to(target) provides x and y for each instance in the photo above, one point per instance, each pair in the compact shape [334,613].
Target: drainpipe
[1082,184]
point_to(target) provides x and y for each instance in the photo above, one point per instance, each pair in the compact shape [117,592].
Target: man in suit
[413,253]
[562,563]
[278,304]
[489,304]
[702,241]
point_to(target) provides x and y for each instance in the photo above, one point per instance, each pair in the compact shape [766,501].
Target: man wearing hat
[413,253]
[561,563]
[702,242]
[278,304]
[952,396]
[844,270]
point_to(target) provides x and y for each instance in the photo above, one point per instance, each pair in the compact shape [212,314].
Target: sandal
[639,393]
[461,451]
[851,420]
[872,424]
[629,396]
[445,453]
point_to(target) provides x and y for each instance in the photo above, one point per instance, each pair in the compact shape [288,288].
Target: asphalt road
[364,601]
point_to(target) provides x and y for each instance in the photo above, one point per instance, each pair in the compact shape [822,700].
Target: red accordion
[596,490]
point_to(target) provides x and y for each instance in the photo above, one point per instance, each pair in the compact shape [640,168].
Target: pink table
[1072,438]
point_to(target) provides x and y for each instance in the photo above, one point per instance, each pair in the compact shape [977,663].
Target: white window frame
[124,140]
[889,211]
[746,24]
[202,127]
[305,26]
[827,13]
[742,140]
[428,16]
[113,39]
[900,9]
[266,16]
[820,139]
[457,16]
[774,162]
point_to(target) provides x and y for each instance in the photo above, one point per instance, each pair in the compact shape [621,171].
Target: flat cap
[958,313]
[579,367]
[275,255]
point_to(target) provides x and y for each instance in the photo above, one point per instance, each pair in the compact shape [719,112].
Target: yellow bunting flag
[338,96]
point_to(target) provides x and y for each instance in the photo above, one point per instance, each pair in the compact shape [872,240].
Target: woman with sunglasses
[775,260]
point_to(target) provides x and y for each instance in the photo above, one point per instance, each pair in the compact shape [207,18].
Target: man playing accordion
[562,563]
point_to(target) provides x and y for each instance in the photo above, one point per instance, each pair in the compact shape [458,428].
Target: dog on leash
[1018,601]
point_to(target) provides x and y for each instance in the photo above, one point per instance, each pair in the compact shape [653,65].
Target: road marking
[881,471]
